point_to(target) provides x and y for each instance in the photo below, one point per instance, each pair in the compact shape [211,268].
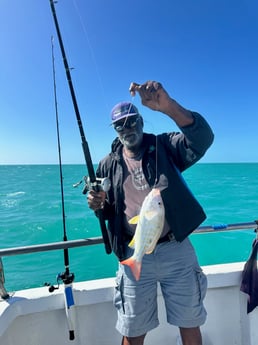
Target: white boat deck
[37,317]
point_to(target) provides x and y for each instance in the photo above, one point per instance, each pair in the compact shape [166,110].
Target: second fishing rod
[92,177]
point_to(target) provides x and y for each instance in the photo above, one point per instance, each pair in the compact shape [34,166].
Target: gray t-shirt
[136,188]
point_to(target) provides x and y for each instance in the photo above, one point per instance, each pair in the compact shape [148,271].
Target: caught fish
[149,227]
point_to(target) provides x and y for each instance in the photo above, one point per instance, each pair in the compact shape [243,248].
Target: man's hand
[96,199]
[152,94]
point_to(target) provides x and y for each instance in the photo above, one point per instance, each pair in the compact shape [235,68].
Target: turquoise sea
[30,213]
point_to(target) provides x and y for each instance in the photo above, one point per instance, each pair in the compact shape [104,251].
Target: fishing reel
[61,278]
[101,183]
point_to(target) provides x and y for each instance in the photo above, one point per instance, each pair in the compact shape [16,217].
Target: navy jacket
[176,152]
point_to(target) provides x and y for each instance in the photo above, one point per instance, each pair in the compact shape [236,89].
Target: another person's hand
[96,199]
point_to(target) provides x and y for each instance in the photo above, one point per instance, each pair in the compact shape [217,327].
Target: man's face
[130,131]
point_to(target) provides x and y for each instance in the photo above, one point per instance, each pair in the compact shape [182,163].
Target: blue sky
[204,52]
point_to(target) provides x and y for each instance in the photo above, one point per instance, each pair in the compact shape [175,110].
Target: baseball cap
[122,110]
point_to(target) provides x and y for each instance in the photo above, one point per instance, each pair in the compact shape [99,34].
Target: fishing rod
[66,277]
[94,183]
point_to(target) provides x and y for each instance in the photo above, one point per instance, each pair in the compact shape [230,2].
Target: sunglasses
[128,123]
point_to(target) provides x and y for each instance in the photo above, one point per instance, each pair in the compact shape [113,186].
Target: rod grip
[104,232]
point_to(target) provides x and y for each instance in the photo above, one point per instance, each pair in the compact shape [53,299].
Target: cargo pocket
[119,294]
[201,280]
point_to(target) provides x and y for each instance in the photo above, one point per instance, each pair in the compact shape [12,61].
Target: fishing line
[91,53]
[156,153]
[156,159]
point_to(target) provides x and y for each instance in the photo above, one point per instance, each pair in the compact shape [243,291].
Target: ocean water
[31,213]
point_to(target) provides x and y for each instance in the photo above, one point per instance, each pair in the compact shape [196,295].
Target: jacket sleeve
[187,147]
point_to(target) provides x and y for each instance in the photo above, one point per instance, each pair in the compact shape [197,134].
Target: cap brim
[124,116]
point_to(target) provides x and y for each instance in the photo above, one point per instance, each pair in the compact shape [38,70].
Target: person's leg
[133,340]
[183,285]
[191,336]
[136,302]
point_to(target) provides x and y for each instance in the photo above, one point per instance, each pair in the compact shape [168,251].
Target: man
[138,162]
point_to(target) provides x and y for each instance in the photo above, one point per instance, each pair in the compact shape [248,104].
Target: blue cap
[122,110]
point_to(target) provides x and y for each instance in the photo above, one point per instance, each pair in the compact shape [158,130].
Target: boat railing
[98,240]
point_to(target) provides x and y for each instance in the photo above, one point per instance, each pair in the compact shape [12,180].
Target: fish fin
[135,266]
[132,243]
[134,220]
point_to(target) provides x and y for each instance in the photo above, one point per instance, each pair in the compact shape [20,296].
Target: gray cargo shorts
[175,267]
